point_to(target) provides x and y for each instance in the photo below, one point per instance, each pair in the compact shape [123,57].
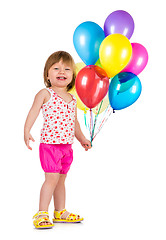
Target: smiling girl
[57,135]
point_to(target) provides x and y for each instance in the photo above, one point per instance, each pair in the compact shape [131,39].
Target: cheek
[70,80]
[49,75]
[70,76]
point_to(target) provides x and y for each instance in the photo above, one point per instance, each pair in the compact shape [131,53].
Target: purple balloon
[119,22]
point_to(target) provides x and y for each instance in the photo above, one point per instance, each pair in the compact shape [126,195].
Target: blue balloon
[125,88]
[87,39]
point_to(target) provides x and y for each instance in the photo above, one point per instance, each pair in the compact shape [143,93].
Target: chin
[62,85]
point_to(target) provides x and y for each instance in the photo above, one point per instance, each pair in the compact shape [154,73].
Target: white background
[119,185]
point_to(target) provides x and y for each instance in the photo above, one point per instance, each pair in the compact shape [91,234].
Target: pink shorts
[56,158]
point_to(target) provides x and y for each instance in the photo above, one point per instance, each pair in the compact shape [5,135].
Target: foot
[65,215]
[43,223]
[41,219]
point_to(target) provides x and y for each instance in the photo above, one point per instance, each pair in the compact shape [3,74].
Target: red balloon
[91,85]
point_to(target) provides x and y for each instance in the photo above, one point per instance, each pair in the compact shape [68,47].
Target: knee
[52,179]
[62,179]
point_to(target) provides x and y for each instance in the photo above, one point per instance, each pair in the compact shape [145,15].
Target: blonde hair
[55,58]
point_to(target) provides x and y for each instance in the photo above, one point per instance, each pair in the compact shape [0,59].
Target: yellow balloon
[80,104]
[104,105]
[79,66]
[115,53]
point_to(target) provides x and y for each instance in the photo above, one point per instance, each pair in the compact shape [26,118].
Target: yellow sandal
[71,218]
[38,220]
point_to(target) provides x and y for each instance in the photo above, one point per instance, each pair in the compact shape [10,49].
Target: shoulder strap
[50,90]
[73,97]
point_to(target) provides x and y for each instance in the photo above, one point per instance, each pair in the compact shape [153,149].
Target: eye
[56,68]
[67,69]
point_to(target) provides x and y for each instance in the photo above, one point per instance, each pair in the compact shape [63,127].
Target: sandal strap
[43,219]
[70,216]
[37,222]
[58,214]
[39,213]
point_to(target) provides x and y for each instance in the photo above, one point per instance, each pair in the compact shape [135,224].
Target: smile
[61,78]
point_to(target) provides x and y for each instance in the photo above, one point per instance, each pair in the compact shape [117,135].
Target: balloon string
[96,119]
[91,125]
[101,123]
[85,117]
[107,114]
[104,120]
[97,107]
[103,116]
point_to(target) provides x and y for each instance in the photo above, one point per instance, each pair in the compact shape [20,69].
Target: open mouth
[61,78]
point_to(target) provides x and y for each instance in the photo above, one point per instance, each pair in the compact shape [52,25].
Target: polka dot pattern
[59,120]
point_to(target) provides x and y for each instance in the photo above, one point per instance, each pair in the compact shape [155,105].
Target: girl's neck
[59,90]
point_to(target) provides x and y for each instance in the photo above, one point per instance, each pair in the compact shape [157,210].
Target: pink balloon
[138,59]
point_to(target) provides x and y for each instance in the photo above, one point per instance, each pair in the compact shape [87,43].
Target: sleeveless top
[59,120]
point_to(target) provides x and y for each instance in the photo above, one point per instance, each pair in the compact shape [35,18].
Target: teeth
[61,77]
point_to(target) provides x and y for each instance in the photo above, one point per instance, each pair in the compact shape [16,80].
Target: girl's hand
[86,144]
[27,138]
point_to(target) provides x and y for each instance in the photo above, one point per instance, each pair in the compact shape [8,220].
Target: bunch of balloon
[113,64]
[124,66]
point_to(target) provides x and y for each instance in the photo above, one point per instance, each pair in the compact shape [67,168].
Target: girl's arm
[32,116]
[80,136]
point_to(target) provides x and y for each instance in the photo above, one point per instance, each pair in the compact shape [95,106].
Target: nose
[61,70]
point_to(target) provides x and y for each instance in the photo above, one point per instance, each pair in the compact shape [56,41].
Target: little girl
[59,128]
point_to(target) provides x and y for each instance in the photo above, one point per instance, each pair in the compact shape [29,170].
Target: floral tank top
[59,120]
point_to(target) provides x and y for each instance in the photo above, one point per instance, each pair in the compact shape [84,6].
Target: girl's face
[60,74]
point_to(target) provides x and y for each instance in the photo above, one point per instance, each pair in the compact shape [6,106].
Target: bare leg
[60,193]
[48,187]
[60,196]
